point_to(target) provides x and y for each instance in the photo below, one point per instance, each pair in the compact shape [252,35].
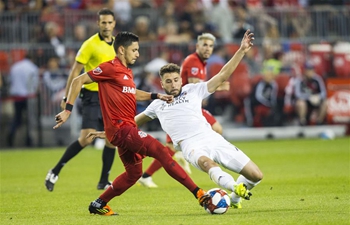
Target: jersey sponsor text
[129,90]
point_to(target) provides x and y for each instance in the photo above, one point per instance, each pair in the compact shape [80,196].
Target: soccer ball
[219,201]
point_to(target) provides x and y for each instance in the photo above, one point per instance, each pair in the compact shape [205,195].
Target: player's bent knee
[206,163]
[257,176]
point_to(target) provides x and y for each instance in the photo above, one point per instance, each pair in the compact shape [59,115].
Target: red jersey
[193,67]
[117,93]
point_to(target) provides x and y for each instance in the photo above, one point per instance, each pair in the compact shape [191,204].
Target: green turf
[305,182]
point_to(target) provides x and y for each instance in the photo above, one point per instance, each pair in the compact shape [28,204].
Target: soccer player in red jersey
[118,96]
[193,70]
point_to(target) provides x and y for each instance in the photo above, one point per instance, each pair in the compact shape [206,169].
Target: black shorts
[91,111]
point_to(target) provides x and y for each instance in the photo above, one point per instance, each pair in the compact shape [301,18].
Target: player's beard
[203,57]
[172,93]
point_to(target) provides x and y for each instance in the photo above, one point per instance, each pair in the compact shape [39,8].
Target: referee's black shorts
[91,111]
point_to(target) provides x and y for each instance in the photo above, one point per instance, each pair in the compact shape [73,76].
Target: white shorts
[215,147]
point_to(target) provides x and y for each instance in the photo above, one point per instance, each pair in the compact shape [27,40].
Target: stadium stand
[326,44]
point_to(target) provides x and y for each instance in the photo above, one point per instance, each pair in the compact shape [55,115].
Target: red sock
[155,165]
[159,152]
[123,182]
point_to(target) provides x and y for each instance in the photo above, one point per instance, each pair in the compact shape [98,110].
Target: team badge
[142,134]
[194,70]
[97,71]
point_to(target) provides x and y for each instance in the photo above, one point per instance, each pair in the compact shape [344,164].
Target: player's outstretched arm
[232,64]
[144,96]
[74,90]
[141,119]
[75,71]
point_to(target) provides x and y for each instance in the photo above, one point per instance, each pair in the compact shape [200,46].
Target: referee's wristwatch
[64,99]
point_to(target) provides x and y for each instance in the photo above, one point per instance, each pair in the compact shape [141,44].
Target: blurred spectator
[192,15]
[94,5]
[52,12]
[217,58]
[80,33]
[172,35]
[24,80]
[216,61]
[22,6]
[55,47]
[167,13]
[143,30]
[301,23]
[284,11]
[282,4]
[253,61]
[310,94]
[260,17]
[242,22]
[222,18]
[122,10]
[2,6]
[52,92]
[261,106]
[140,4]
[155,64]
[271,41]
[201,24]
[274,62]
[54,80]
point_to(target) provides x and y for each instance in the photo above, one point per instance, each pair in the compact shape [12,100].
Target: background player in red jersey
[118,96]
[193,70]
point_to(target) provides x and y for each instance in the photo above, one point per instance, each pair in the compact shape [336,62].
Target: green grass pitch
[305,181]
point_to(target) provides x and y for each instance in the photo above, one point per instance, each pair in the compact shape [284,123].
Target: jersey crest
[142,134]
[97,71]
[194,70]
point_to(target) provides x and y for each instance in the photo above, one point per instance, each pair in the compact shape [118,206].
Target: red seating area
[4,61]
[341,60]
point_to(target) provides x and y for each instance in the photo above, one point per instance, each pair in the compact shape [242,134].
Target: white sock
[221,178]
[250,184]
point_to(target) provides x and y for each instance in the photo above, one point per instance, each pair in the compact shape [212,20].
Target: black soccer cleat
[103,185]
[96,208]
[50,180]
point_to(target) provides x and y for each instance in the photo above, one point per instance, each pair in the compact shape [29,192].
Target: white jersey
[182,118]
[183,121]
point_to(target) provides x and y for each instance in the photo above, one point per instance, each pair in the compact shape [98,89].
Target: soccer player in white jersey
[201,146]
